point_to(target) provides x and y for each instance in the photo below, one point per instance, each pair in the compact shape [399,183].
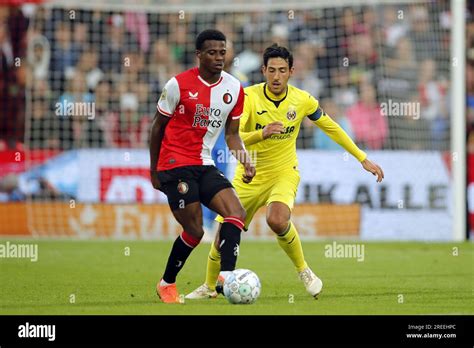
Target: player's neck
[274,96]
[209,77]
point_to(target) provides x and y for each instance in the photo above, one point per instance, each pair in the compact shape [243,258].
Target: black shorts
[189,184]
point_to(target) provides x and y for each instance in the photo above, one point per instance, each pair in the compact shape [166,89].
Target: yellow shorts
[264,190]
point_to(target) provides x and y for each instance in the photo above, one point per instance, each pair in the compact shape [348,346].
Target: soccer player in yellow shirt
[269,126]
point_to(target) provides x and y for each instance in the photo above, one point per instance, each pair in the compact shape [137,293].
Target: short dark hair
[209,34]
[275,51]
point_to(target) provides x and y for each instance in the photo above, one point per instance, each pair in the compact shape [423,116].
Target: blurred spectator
[88,66]
[65,55]
[432,89]
[39,55]
[398,79]
[424,39]
[395,27]
[305,75]
[162,65]
[322,141]
[43,125]
[127,130]
[137,25]
[79,129]
[342,89]
[13,76]
[113,45]
[369,125]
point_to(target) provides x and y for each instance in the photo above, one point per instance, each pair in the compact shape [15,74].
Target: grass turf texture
[106,281]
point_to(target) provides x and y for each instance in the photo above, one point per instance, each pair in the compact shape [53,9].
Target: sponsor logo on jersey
[291,114]
[227,98]
[183,187]
[203,114]
[261,112]
[286,130]
[193,95]
[199,121]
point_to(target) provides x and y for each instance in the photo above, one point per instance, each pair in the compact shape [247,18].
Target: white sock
[163,283]
[225,274]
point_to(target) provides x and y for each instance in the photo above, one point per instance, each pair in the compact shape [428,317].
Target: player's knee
[237,211]
[277,223]
[240,213]
[194,229]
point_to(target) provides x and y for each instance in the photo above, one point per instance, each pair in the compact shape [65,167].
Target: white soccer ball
[242,286]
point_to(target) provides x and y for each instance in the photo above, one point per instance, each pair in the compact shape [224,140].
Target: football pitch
[119,277]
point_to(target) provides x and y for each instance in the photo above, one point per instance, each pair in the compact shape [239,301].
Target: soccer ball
[242,286]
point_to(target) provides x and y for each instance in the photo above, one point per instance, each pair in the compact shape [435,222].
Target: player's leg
[217,193]
[279,205]
[183,197]
[213,267]
[278,219]
[251,200]
[226,204]
[190,219]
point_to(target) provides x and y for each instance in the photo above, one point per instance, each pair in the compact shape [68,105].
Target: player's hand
[373,168]
[154,179]
[249,172]
[272,128]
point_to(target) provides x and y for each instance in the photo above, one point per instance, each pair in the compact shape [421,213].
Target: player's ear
[292,69]
[263,69]
[198,54]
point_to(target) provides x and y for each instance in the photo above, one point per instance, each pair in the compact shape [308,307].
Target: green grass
[105,281]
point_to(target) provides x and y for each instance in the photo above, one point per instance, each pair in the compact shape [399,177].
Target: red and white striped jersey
[198,112]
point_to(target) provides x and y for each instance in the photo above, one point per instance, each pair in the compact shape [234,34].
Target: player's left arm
[337,134]
[236,146]
[234,141]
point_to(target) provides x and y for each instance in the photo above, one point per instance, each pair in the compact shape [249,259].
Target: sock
[213,267]
[182,248]
[229,242]
[290,242]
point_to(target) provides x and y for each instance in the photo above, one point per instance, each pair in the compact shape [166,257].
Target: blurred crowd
[353,59]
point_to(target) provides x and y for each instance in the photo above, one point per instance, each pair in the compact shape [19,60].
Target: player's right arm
[166,106]
[157,134]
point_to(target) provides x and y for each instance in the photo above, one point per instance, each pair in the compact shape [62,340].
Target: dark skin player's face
[211,59]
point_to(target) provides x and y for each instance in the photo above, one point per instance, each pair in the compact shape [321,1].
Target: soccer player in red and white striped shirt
[194,107]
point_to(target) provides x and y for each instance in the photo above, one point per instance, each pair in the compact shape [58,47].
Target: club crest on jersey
[183,187]
[291,114]
[227,98]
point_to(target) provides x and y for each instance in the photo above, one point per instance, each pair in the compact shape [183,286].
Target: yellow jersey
[278,152]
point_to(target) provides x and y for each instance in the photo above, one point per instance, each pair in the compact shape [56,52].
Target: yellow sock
[291,244]
[213,267]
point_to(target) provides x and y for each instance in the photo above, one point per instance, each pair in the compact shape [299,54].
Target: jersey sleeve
[236,112]
[169,98]
[249,137]
[313,111]
[337,134]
